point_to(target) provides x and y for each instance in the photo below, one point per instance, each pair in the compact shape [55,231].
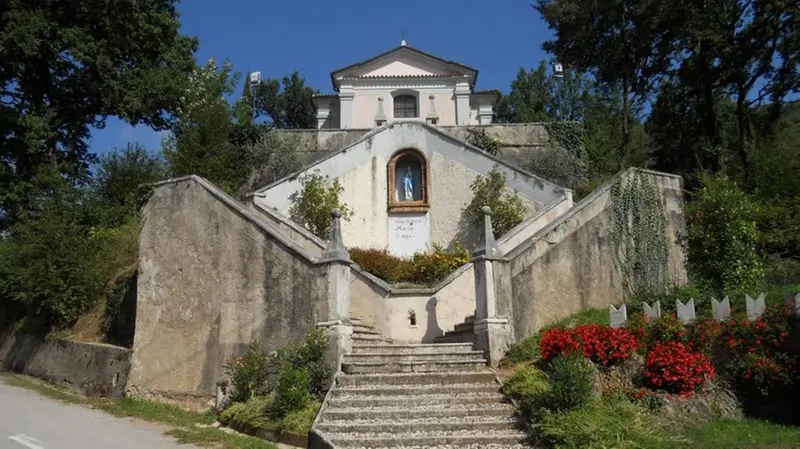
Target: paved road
[31,421]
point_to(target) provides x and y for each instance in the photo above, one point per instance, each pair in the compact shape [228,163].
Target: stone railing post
[492,331]
[336,262]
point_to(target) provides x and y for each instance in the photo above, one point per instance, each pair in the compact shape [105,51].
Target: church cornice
[464,70]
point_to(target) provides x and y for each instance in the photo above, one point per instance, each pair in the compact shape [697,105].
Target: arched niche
[408,181]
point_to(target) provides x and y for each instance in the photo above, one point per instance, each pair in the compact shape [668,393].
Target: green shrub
[379,263]
[313,205]
[300,421]
[508,210]
[51,267]
[248,372]
[526,381]
[482,139]
[571,383]
[309,356]
[610,423]
[431,267]
[524,350]
[292,393]
[251,413]
[722,236]
[424,268]
[530,388]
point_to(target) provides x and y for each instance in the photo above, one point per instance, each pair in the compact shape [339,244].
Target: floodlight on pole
[558,70]
[255,80]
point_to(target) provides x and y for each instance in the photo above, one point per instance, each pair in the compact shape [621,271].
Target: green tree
[201,141]
[619,41]
[290,107]
[120,182]
[508,210]
[272,156]
[722,236]
[50,264]
[312,206]
[66,66]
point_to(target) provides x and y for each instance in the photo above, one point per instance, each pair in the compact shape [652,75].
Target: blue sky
[316,37]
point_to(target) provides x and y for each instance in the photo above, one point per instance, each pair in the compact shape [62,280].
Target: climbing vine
[638,231]
[567,135]
[482,139]
[563,160]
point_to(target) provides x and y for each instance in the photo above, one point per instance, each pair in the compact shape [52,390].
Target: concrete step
[411,425]
[463,327]
[351,401]
[410,390]
[456,339]
[462,377]
[497,410]
[353,367]
[364,329]
[392,357]
[476,438]
[413,349]
[369,339]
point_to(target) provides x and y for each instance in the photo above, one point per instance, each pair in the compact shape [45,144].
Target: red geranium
[601,344]
[674,367]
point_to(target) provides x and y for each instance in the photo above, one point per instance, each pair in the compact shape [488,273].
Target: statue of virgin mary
[408,184]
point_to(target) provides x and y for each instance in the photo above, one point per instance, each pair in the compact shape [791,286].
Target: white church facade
[407,181]
[404,84]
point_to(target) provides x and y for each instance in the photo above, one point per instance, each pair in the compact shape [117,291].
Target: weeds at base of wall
[184,425]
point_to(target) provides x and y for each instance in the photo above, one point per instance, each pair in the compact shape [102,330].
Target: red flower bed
[674,367]
[601,344]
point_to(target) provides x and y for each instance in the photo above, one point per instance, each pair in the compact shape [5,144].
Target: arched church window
[408,181]
[405,106]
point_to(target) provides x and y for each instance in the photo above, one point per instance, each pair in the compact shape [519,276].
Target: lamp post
[255,80]
[558,73]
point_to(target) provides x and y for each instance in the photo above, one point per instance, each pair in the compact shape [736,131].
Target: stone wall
[90,369]
[569,265]
[213,277]
[518,139]
[437,309]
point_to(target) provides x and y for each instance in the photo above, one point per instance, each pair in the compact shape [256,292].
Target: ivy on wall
[567,135]
[484,140]
[563,160]
[638,232]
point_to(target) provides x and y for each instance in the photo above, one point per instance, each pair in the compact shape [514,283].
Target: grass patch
[750,433]
[208,437]
[184,422]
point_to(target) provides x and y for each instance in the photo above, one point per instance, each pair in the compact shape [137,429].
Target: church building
[404,84]
[407,179]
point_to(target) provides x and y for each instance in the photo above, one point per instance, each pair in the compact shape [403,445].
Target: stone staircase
[462,333]
[421,395]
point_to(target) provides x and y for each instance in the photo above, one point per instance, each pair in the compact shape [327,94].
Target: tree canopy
[67,66]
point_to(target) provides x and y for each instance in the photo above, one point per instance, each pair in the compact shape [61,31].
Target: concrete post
[492,332]
[337,262]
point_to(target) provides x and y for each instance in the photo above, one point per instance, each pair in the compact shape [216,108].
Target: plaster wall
[213,277]
[437,310]
[453,165]
[89,369]
[569,265]
[365,103]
